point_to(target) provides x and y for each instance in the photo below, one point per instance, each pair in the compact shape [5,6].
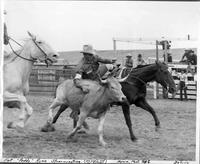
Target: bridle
[32,58]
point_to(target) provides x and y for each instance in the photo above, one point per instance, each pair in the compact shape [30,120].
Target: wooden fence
[44,80]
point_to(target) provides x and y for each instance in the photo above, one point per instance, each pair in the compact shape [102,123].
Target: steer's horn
[122,80]
[104,81]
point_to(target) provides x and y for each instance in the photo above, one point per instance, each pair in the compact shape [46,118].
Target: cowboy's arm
[105,61]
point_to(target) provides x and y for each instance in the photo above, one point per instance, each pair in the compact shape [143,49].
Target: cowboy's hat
[88,49]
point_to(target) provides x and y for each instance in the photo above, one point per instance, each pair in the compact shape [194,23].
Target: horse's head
[164,77]
[42,51]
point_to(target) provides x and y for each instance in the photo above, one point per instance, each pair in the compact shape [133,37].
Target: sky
[68,25]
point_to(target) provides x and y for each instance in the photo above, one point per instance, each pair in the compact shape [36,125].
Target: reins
[33,59]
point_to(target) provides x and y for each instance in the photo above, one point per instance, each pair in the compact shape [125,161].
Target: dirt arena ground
[174,141]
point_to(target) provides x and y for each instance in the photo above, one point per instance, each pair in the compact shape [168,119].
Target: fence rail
[44,80]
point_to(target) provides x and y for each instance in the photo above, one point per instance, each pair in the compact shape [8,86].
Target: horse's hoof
[48,128]
[157,128]
[134,139]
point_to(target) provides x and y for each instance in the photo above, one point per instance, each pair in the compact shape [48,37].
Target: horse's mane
[137,71]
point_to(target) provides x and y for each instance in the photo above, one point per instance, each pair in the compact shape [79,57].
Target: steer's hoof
[48,128]
[103,143]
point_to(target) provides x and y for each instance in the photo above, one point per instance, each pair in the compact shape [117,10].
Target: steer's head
[114,91]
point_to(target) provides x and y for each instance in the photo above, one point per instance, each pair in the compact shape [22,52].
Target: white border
[14,160]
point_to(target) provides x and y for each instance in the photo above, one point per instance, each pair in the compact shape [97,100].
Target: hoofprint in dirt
[175,140]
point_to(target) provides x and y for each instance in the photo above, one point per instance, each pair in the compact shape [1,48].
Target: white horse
[16,75]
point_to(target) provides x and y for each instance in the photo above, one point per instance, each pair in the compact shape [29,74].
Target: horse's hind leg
[144,105]
[49,124]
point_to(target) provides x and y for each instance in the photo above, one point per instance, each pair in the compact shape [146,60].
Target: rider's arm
[105,61]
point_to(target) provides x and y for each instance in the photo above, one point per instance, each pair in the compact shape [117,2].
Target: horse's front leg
[100,129]
[144,105]
[49,124]
[126,112]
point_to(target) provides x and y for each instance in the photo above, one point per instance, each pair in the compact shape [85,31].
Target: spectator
[129,61]
[183,84]
[169,57]
[192,58]
[140,60]
[185,55]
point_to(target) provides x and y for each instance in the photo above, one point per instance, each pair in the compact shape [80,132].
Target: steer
[94,104]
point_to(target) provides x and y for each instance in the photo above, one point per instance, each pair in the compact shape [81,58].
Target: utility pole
[156,90]
[165,94]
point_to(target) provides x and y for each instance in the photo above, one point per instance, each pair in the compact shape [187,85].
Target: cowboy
[192,58]
[186,55]
[6,38]
[140,60]
[88,66]
[183,82]
[129,61]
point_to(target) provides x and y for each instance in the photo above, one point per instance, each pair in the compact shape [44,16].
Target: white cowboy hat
[88,49]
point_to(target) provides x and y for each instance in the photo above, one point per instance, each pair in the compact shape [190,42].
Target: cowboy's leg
[185,91]
[181,91]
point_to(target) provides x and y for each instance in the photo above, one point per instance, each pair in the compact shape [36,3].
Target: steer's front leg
[100,129]
[82,117]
